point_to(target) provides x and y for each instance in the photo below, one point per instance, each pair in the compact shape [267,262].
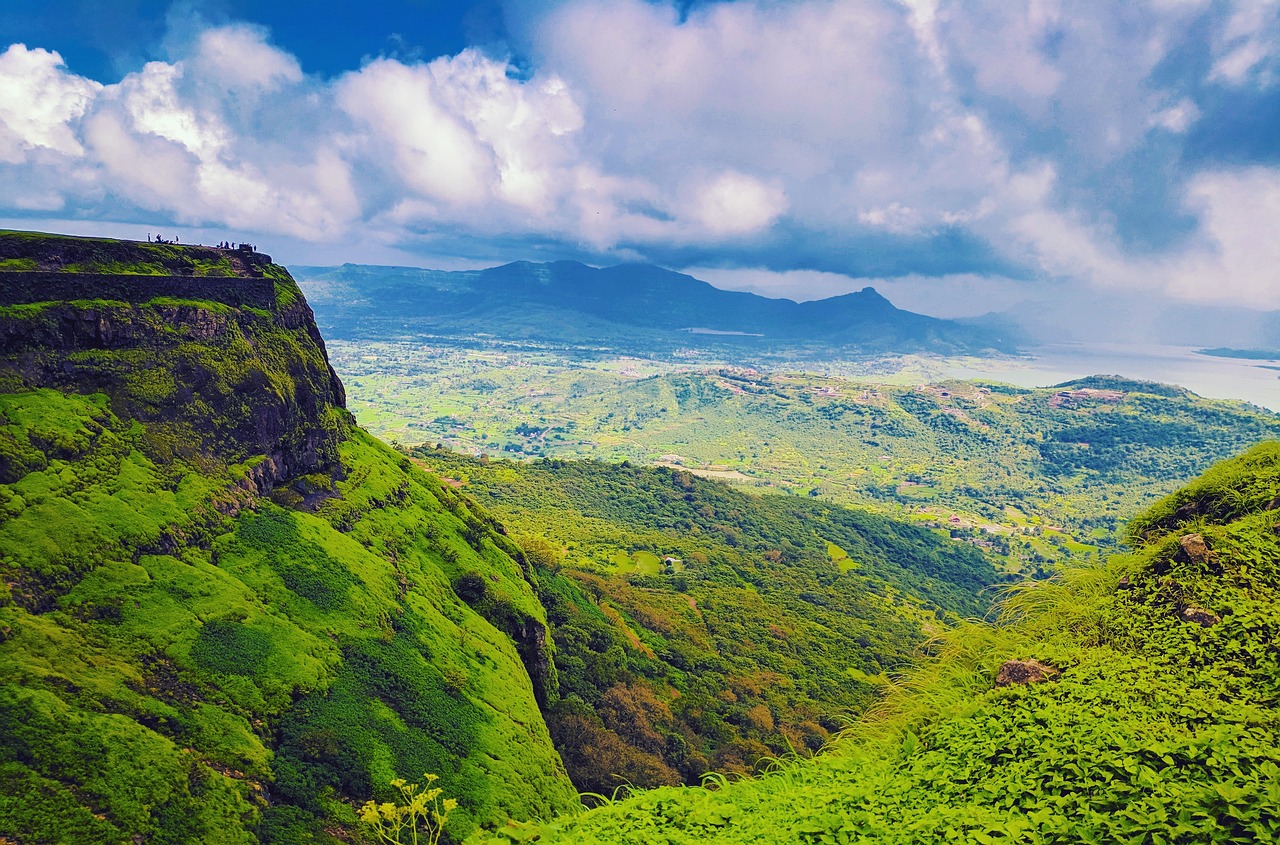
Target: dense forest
[699,628]
[1130,701]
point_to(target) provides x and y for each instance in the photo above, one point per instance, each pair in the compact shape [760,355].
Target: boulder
[1022,672]
[1195,548]
[1200,616]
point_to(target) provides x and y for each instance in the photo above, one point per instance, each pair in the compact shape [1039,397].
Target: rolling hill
[1131,701]
[1039,472]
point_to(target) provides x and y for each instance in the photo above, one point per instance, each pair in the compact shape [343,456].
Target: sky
[962,156]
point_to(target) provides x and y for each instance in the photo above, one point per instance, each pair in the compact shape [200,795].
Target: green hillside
[701,628]
[1131,701]
[228,614]
[1040,473]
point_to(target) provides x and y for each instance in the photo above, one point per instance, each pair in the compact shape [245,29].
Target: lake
[1217,378]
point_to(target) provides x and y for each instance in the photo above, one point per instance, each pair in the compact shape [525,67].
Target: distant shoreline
[1245,354]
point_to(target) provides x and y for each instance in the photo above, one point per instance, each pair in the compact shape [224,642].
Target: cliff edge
[228,614]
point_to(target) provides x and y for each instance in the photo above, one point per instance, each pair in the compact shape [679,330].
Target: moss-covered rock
[228,614]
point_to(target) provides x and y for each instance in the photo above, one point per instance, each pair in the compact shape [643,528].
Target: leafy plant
[417,819]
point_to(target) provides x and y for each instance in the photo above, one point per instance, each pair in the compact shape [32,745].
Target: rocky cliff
[227,365]
[227,613]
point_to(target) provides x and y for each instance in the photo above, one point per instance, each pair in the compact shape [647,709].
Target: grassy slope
[186,659]
[1159,729]
[778,621]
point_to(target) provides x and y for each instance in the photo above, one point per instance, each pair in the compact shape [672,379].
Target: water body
[1217,378]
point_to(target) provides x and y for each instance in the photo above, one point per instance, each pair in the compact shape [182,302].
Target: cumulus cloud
[1178,117]
[39,104]
[736,204]
[1231,259]
[1238,210]
[460,132]
[179,138]
[1044,137]
[239,58]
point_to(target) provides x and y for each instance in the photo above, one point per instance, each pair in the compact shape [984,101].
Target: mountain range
[627,307]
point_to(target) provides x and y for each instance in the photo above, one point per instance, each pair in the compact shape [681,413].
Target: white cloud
[1248,43]
[238,57]
[460,132]
[1178,117]
[804,95]
[173,138]
[736,204]
[432,149]
[1233,259]
[39,103]
[1240,253]
[1009,125]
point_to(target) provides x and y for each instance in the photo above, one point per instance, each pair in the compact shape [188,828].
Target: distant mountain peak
[627,306]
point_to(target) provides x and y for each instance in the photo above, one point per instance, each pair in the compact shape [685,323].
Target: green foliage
[1160,727]
[183,659]
[752,644]
[1227,492]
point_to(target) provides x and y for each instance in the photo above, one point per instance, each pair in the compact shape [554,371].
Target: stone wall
[40,286]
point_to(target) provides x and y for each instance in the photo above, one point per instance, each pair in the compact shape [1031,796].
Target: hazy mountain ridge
[627,306]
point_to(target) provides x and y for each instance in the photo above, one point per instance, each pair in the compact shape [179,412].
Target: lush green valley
[231,615]
[1131,701]
[699,628]
[1038,474]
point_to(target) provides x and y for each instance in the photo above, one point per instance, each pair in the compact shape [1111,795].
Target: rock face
[1195,548]
[177,350]
[1022,672]
[1200,616]
[228,604]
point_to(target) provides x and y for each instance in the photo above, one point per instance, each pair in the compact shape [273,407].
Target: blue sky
[960,155]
